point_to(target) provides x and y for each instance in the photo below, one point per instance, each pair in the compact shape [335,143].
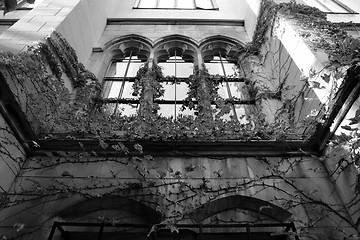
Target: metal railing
[200,231]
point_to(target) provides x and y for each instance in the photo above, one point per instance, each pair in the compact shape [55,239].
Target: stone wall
[176,187]
[12,157]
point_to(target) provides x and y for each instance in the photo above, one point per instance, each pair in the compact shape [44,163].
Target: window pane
[185,4]
[204,4]
[147,4]
[333,6]
[326,5]
[134,66]
[183,69]
[169,87]
[241,113]
[123,109]
[128,90]
[215,67]
[166,4]
[240,110]
[115,90]
[168,110]
[238,90]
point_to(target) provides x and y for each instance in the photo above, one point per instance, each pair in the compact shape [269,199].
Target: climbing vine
[174,190]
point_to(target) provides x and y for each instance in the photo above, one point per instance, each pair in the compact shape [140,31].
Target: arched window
[120,76]
[220,58]
[176,59]
[176,56]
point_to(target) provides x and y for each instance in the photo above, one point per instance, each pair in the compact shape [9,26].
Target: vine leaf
[35,144]
[262,208]
[317,85]
[19,226]
[138,148]
[62,153]
[121,148]
[116,147]
[326,78]
[67,174]
[103,144]
[218,173]
[153,229]
[149,158]
[190,168]
[82,146]
[172,227]
[348,128]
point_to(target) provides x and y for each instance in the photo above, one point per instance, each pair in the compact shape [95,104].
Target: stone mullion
[204,97]
[147,107]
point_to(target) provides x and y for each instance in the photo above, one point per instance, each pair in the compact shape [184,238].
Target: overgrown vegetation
[173,190]
[54,110]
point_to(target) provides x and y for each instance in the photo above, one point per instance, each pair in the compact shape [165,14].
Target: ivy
[148,88]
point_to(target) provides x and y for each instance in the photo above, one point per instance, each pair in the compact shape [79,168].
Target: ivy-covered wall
[51,183]
[12,157]
[176,187]
[61,100]
[296,100]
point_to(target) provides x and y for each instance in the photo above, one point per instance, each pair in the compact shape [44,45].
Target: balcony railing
[107,231]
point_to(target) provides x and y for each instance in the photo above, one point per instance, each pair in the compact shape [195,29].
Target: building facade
[180,120]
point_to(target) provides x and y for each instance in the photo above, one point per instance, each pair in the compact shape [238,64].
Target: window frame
[174,51]
[195,6]
[347,10]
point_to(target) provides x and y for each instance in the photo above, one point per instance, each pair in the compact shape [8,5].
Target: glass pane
[169,87]
[183,69]
[166,4]
[147,4]
[204,4]
[240,110]
[333,6]
[168,110]
[128,109]
[238,90]
[128,90]
[134,66]
[115,90]
[215,67]
[123,109]
[106,89]
[111,70]
[326,5]
[222,91]
[235,88]
[185,4]
[241,113]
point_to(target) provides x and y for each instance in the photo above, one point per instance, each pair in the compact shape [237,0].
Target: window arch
[220,57]
[176,55]
[128,55]
[240,202]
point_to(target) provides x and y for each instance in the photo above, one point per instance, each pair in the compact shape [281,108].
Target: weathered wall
[228,9]
[99,61]
[176,186]
[81,22]
[173,185]
[285,78]
[12,157]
